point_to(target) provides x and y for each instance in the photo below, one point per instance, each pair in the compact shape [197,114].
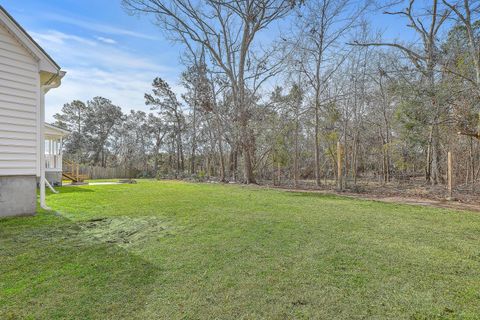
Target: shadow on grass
[73,189]
[304,194]
[57,270]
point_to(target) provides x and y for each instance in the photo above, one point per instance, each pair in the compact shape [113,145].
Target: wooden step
[71,172]
[73,177]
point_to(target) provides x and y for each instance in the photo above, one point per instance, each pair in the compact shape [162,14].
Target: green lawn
[170,250]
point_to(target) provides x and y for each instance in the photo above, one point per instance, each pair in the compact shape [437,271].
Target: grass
[171,250]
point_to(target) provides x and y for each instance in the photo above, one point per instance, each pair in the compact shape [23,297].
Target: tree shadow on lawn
[71,189]
[306,194]
[57,270]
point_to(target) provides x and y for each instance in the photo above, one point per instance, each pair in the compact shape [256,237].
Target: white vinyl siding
[19,107]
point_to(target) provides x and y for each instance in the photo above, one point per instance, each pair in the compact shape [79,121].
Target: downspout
[43,90]
[43,204]
[50,186]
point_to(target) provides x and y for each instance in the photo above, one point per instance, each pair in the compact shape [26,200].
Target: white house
[53,153]
[27,73]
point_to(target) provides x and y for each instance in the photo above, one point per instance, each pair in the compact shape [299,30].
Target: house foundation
[18,195]
[54,178]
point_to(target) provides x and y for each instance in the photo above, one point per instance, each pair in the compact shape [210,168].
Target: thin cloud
[75,50]
[125,88]
[106,40]
[58,37]
[95,67]
[97,27]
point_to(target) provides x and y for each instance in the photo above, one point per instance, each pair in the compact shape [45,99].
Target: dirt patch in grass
[426,201]
[121,231]
[124,231]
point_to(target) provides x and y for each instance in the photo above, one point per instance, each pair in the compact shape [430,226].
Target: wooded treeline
[271,87]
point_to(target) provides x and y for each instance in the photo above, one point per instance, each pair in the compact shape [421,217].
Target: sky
[104,51]
[107,52]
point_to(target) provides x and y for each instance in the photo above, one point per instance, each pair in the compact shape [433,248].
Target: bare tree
[426,60]
[466,13]
[227,30]
[158,132]
[165,102]
[323,26]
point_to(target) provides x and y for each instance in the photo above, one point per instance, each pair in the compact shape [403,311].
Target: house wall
[19,123]
[19,108]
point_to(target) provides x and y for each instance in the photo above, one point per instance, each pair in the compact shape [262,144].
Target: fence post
[339,166]
[450,176]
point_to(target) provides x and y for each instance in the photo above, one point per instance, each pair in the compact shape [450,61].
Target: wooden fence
[106,173]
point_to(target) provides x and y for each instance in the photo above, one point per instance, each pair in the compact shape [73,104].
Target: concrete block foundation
[18,195]
[54,178]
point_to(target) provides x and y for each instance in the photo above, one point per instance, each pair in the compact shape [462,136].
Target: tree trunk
[178,166]
[429,158]
[247,149]
[345,155]
[472,162]
[194,136]
[279,173]
[354,158]
[220,150]
[232,162]
[295,158]
[317,144]
[155,164]
[435,175]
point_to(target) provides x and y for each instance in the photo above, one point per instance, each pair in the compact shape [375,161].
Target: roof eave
[58,130]
[46,62]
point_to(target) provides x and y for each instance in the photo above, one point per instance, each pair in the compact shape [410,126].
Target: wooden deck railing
[71,171]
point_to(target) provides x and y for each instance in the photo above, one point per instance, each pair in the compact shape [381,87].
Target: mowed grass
[173,250]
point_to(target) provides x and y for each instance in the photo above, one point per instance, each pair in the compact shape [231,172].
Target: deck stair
[71,171]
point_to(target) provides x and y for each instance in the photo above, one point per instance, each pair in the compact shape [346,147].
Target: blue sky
[106,52]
